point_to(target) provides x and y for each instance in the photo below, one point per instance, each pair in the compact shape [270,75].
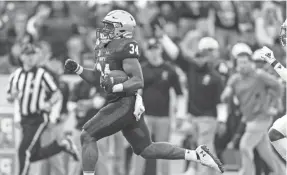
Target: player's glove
[267,55]
[139,107]
[107,82]
[73,66]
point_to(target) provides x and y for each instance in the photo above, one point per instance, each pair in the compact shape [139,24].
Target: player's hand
[71,65]
[139,107]
[107,82]
[267,55]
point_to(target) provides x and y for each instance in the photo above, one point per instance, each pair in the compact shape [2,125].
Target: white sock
[281,147]
[191,155]
[88,173]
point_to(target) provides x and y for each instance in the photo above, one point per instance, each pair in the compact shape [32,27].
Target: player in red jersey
[117,50]
[278,131]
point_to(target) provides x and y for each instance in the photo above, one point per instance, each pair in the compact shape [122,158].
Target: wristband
[118,88]
[274,63]
[79,70]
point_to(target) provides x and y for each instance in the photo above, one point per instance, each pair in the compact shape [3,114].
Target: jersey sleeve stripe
[49,82]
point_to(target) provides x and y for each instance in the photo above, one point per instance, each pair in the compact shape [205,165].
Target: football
[119,76]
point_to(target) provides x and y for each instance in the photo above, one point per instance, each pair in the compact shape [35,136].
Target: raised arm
[268,56]
[168,45]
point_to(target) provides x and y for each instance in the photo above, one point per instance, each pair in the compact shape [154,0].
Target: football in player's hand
[118,76]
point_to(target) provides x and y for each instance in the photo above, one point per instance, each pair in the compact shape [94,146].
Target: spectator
[35,25]
[226,20]
[18,36]
[189,44]
[204,82]
[5,64]
[18,32]
[246,24]
[55,165]
[159,78]
[75,48]
[60,9]
[267,24]
[252,87]
[47,54]
[190,13]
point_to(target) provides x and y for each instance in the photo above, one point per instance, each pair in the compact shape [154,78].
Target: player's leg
[106,122]
[247,144]
[266,152]
[138,163]
[277,136]
[138,136]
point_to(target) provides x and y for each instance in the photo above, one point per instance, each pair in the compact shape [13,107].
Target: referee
[29,85]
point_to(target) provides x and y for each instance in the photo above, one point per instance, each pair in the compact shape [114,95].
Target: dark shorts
[118,116]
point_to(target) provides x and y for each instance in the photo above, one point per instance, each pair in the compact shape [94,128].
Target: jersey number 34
[134,49]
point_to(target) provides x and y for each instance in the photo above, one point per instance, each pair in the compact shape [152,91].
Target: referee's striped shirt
[32,85]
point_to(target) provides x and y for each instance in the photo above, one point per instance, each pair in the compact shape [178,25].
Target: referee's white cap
[207,43]
[240,48]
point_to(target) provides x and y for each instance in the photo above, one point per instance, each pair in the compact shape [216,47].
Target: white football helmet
[117,24]
[283,33]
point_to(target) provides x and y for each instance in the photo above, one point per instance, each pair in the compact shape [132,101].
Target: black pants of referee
[30,149]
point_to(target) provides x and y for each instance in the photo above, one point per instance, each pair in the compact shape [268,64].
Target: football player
[117,50]
[278,132]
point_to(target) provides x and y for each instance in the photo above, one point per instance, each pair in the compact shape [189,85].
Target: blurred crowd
[68,30]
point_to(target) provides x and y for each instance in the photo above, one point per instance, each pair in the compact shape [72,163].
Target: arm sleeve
[170,47]
[10,83]
[49,82]
[270,81]
[13,79]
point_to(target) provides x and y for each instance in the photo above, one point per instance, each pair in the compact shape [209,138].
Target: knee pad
[86,137]
[280,125]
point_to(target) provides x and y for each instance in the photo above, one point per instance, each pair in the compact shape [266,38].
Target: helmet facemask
[108,32]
